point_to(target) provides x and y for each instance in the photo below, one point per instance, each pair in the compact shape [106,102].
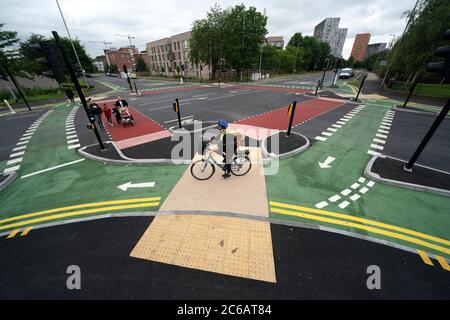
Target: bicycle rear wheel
[202,170]
[241,165]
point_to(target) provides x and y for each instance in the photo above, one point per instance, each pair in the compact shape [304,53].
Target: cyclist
[229,140]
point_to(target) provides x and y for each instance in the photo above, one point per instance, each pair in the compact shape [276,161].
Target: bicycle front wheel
[241,166]
[202,170]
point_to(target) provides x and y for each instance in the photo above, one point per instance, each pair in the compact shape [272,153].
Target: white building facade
[328,30]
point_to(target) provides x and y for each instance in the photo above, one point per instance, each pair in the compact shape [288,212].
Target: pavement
[235,232]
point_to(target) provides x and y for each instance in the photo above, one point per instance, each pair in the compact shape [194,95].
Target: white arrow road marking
[327,162]
[129,184]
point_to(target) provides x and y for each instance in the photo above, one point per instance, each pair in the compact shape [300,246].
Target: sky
[93,21]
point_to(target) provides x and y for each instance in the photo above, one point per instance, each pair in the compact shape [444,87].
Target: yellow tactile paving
[226,245]
[246,194]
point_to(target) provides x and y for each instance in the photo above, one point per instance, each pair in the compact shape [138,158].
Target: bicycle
[204,168]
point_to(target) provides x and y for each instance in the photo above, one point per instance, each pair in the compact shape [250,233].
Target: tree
[313,51]
[245,32]
[271,56]
[9,57]
[141,66]
[206,39]
[235,34]
[415,49]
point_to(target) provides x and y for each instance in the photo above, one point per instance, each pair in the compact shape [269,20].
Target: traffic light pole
[428,136]
[16,84]
[74,79]
[411,90]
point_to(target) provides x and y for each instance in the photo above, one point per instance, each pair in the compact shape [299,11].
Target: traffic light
[442,68]
[125,69]
[50,60]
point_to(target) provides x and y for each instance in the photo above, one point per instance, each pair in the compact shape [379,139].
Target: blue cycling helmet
[222,123]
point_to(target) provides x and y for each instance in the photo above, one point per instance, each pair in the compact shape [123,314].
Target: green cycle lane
[83,182]
[300,181]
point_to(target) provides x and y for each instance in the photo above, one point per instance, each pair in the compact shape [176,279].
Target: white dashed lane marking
[338,124]
[16,156]
[347,194]
[71,134]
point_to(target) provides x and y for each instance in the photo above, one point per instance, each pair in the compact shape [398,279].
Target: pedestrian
[70,95]
[96,111]
[116,112]
[121,102]
[107,112]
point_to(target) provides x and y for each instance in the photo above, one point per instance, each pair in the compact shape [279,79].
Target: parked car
[133,75]
[346,73]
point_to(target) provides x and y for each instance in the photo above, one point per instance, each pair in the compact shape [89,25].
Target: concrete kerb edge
[11,176]
[268,157]
[232,215]
[416,187]
[399,108]
[128,161]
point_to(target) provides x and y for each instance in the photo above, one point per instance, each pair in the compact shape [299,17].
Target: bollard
[291,113]
[360,87]
[9,106]
[317,87]
[176,108]
[411,90]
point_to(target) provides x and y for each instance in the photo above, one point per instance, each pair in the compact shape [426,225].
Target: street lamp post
[73,47]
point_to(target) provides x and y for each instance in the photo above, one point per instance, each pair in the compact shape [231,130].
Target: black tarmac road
[309,264]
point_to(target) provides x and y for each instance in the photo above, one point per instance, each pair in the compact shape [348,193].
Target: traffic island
[279,145]
[391,171]
[6,179]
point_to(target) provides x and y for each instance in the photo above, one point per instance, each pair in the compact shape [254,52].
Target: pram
[126,117]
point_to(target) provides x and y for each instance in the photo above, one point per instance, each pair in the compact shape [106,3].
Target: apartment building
[171,55]
[277,41]
[374,48]
[360,46]
[328,30]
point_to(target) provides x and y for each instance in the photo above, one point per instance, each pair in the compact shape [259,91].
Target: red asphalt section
[142,125]
[279,119]
[271,88]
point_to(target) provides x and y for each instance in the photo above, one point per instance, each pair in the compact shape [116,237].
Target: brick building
[170,55]
[360,46]
[122,56]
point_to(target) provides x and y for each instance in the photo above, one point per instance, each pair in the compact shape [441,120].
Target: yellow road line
[443,263]
[78,206]
[364,227]
[426,259]
[26,231]
[362,220]
[77,213]
[13,234]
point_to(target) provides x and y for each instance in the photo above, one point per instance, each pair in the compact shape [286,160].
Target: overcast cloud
[148,20]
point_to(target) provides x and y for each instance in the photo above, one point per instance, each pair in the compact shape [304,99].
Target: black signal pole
[411,90]
[16,84]
[428,136]
[360,87]
[74,79]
